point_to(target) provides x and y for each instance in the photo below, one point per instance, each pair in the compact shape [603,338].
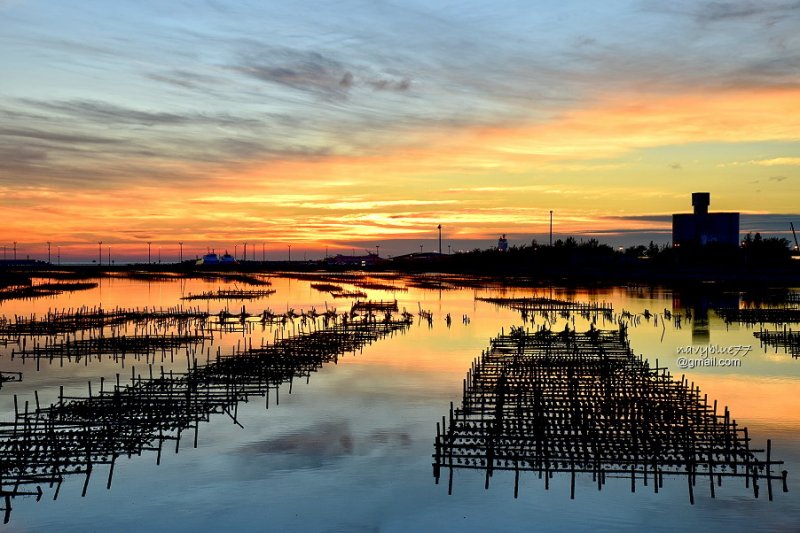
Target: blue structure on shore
[701,227]
[502,243]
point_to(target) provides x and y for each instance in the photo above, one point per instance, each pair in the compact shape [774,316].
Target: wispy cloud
[724,11]
[771,162]
[44,135]
[310,71]
[777,161]
[366,205]
[319,201]
[97,112]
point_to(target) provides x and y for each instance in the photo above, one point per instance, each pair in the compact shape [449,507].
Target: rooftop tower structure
[701,227]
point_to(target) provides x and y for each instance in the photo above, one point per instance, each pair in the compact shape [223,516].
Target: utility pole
[48,252]
[181,256]
[263,253]
[377,250]
[59,255]
[551,227]
[99,253]
[245,251]
[440,239]
[15,250]
[290,252]
[149,261]
[109,256]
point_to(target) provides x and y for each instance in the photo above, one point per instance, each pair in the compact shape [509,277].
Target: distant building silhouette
[502,243]
[212,258]
[701,227]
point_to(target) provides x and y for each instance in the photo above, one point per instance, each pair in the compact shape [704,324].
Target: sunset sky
[351,124]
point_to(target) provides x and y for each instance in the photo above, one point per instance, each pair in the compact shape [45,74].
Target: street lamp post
[149,260]
[245,251]
[181,256]
[99,253]
[377,250]
[48,252]
[440,239]
[290,252]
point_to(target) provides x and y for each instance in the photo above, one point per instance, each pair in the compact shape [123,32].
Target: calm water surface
[351,450]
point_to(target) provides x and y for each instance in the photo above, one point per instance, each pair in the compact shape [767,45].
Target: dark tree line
[589,259]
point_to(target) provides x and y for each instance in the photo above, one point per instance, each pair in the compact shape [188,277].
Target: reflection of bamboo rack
[116,347]
[770,315]
[378,286]
[9,376]
[582,403]
[349,294]
[43,445]
[326,287]
[57,322]
[529,306]
[787,339]
[184,321]
[231,294]
[370,306]
[43,290]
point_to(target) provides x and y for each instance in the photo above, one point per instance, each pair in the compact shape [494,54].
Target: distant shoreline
[512,274]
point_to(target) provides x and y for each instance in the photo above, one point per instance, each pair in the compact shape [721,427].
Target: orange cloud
[627,122]
[503,176]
